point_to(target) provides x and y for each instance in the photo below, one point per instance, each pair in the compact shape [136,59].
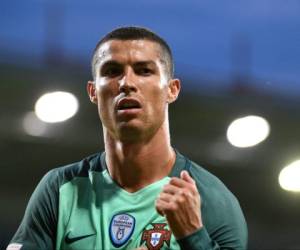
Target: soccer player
[140,193]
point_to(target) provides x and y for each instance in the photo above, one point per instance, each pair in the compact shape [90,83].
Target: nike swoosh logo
[70,240]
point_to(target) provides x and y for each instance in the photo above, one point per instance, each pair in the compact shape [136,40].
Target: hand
[179,202]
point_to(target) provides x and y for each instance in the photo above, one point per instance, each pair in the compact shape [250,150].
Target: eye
[145,71]
[111,71]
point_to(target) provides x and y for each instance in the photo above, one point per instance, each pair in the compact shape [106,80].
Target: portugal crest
[156,236]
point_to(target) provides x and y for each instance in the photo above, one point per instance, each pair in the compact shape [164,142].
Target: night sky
[211,39]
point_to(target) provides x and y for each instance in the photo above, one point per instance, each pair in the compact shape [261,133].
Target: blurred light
[248,131]
[56,106]
[289,177]
[33,126]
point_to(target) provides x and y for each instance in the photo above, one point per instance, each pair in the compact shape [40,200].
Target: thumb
[184,175]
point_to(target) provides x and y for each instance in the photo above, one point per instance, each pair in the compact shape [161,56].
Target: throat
[139,172]
[136,164]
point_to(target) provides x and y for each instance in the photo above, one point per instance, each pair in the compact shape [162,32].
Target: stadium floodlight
[289,177]
[248,131]
[33,126]
[56,106]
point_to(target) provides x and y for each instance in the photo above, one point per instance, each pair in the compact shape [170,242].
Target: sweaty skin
[137,142]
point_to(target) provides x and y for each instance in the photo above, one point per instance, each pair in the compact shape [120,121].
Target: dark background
[234,59]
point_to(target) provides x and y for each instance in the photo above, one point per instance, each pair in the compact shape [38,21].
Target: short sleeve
[38,227]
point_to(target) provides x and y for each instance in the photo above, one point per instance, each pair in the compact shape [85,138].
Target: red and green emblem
[156,236]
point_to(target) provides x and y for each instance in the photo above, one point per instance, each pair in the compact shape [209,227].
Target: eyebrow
[139,63]
[110,63]
[144,63]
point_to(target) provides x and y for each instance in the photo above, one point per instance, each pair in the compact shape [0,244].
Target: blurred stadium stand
[42,47]
[198,123]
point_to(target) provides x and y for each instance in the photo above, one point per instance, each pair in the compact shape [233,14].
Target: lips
[128,103]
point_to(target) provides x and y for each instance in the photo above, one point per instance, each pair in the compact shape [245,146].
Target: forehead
[129,50]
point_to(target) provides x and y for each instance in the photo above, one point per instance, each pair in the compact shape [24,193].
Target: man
[140,192]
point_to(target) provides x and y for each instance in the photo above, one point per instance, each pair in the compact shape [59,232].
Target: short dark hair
[137,33]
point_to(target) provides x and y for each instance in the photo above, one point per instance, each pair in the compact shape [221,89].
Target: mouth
[128,104]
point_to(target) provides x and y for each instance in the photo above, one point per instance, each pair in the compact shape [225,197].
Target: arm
[38,227]
[199,240]
[180,203]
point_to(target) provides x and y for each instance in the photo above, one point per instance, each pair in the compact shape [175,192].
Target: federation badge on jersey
[121,228]
[156,236]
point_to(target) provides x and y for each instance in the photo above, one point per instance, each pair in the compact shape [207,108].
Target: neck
[135,165]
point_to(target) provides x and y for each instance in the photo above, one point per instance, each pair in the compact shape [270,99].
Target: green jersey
[80,207]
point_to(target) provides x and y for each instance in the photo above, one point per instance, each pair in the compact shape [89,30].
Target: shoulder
[207,181]
[66,173]
[212,190]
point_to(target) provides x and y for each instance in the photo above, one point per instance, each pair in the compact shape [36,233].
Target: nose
[127,82]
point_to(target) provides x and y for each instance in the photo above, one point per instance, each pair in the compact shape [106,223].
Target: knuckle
[166,187]
[173,180]
[181,200]
[173,207]
[192,190]
[195,189]
[186,193]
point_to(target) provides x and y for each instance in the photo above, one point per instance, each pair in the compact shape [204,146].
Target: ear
[173,90]
[91,89]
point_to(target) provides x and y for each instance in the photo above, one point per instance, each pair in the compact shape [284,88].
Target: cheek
[158,99]
[105,90]
[160,92]
[105,96]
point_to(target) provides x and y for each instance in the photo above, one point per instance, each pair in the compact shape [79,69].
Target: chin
[130,135]
[136,132]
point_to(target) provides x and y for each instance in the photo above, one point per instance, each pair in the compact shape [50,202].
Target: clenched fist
[179,202]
